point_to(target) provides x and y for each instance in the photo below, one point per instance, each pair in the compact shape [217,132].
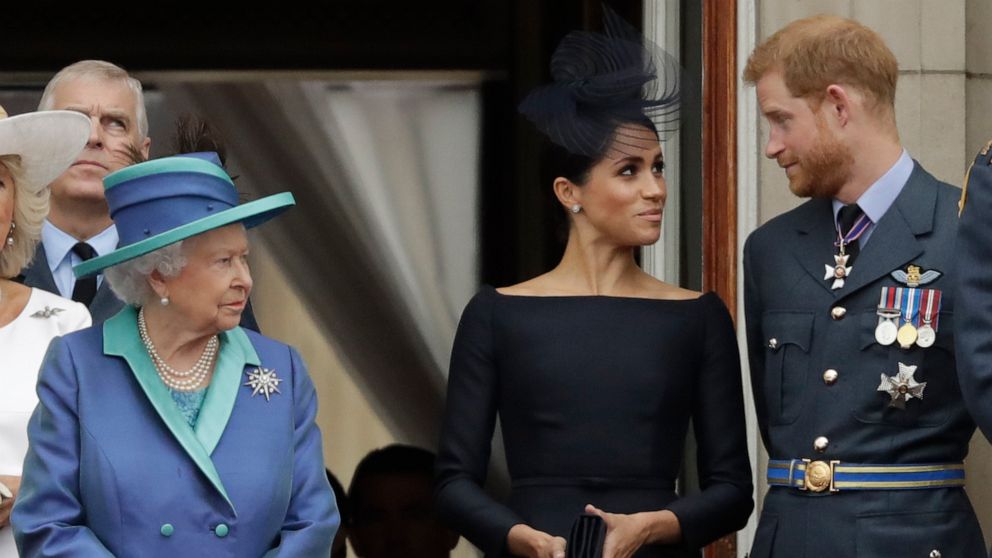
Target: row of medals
[888,332]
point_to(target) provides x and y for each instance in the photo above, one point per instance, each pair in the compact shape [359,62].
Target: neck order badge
[841,270]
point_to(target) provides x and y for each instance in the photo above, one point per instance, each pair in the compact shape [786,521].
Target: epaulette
[984,160]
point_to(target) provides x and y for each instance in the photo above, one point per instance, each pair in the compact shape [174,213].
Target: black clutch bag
[586,538]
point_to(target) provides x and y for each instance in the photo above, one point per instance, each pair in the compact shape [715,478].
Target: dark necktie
[846,218]
[85,289]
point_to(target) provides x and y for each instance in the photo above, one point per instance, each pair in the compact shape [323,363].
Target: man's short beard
[825,169]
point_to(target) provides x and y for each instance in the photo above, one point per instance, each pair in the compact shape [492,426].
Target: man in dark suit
[79,226]
[849,306]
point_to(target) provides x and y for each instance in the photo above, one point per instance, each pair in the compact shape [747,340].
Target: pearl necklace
[179,380]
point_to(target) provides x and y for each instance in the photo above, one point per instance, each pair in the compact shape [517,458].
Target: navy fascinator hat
[601,82]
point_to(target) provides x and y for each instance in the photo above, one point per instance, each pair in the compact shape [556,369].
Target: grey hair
[99,70]
[129,280]
[30,210]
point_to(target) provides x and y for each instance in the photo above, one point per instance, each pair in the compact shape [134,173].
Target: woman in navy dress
[596,368]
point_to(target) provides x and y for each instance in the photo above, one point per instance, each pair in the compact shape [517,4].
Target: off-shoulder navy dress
[594,396]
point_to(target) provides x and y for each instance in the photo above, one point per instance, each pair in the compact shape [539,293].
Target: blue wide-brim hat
[163,201]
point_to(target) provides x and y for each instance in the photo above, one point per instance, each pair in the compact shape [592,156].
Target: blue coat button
[221,530]
[167,530]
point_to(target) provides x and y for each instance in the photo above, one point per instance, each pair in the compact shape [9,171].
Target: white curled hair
[129,280]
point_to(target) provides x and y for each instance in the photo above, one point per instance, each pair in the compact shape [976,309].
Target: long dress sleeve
[724,501]
[312,519]
[467,431]
[755,341]
[48,517]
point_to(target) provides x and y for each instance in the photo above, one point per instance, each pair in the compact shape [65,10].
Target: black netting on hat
[601,82]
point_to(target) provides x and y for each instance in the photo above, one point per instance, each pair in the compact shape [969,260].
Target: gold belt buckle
[819,476]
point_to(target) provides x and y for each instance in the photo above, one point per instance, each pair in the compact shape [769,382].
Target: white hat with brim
[48,143]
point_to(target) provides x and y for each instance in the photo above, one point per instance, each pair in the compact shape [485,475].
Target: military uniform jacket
[973,328]
[113,468]
[795,336]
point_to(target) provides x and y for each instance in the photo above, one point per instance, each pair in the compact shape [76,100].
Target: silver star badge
[47,312]
[838,271]
[263,381]
[902,387]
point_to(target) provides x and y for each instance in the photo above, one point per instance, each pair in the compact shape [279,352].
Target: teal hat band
[159,202]
[181,163]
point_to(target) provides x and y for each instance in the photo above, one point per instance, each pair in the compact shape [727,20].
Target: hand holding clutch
[626,533]
[523,540]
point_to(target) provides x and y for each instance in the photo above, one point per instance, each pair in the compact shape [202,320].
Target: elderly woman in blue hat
[171,431]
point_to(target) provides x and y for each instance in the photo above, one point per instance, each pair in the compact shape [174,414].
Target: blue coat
[113,469]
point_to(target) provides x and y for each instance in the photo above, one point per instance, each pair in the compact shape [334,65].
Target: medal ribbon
[887,301]
[930,310]
[899,304]
[910,303]
[858,229]
[925,301]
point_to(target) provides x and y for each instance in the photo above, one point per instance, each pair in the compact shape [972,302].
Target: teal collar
[121,338]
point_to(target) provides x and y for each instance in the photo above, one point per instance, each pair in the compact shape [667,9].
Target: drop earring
[10,234]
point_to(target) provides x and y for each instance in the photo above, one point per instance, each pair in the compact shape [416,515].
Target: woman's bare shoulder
[656,288]
[542,285]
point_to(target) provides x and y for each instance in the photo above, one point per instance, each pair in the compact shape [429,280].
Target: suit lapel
[121,338]
[813,246]
[893,243]
[105,304]
[37,274]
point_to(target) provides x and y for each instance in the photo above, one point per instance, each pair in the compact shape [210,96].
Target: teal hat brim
[251,213]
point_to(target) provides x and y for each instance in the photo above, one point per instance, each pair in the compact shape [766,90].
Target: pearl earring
[576,208]
[10,234]
[164,301]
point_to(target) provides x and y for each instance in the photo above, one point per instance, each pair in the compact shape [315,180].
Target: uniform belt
[836,476]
